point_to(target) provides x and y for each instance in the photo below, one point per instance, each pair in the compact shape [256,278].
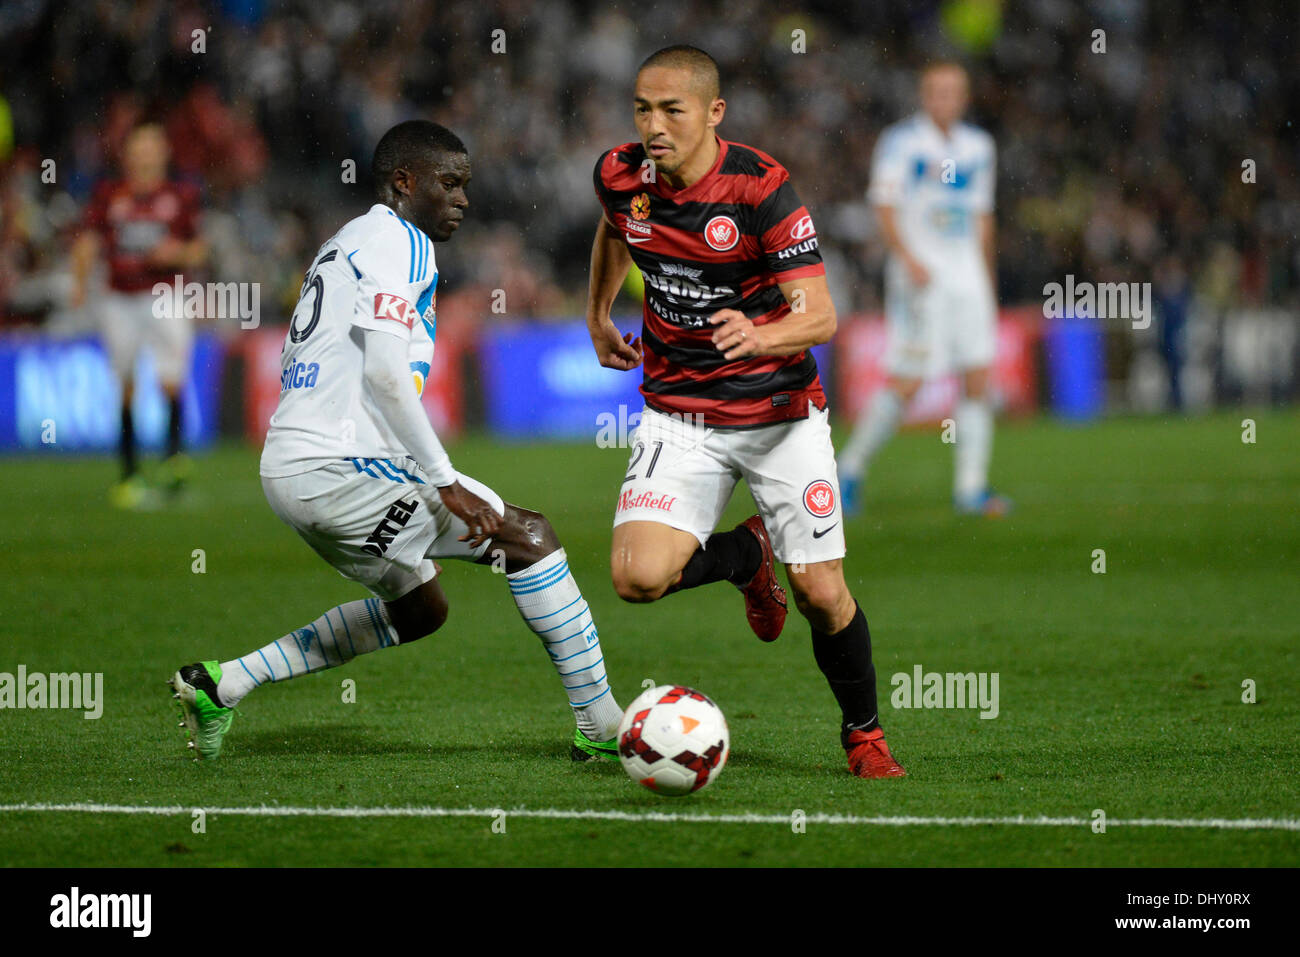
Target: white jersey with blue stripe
[938,185]
[376,273]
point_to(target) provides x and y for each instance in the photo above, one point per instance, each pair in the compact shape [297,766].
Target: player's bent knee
[820,600]
[539,534]
[531,533]
[419,614]
[813,601]
[640,583]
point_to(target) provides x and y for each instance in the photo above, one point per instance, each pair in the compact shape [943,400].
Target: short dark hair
[410,145]
[702,66]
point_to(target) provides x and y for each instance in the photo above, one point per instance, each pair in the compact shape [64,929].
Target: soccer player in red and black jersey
[147,226]
[735,296]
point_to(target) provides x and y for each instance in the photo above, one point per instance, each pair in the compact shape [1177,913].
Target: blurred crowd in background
[1124,165]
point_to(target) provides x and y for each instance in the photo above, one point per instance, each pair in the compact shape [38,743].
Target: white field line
[660,817]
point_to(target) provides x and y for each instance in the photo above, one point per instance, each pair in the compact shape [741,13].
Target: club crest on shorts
[721,233]
[819,498]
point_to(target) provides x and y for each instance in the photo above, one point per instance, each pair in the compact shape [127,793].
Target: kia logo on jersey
[396,308]
[802,229]
[819,498]
[721,233]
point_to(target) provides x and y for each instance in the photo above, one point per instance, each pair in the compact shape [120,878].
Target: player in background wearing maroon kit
[147,228]
[735,295]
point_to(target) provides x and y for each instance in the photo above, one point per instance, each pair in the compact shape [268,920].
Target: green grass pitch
[1119,691]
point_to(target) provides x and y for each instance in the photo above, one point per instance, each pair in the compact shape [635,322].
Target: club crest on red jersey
[721,233]
[641,207]
[819,498]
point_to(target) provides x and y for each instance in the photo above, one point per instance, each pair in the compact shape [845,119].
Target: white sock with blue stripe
[333,639]
[551,605]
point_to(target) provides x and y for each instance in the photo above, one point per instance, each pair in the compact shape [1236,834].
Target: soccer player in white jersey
[932,183]
[353,465]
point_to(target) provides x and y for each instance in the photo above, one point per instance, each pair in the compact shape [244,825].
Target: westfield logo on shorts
[663,503]
[396,308]
[819,498]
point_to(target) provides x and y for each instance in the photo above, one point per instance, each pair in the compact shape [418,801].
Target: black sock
[733,556]
[126,446]
[174,426]
[845,660]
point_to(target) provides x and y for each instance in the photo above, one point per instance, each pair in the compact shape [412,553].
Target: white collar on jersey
[389,211]
[931,128]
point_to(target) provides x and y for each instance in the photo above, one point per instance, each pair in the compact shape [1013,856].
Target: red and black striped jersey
[133,224]
[725,242]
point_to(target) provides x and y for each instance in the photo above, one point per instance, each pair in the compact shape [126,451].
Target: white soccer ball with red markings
[673,740]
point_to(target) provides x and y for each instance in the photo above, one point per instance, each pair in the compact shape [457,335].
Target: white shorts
[129,323]
[947,325]
[682,474]
[370,519]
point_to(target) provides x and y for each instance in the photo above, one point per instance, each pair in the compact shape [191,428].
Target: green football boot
[203,718]
[584,749]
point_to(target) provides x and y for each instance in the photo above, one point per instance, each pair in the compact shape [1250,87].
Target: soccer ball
[673,740]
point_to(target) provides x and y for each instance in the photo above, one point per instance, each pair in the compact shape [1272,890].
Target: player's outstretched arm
[610,262]
[387,372]
[810,322]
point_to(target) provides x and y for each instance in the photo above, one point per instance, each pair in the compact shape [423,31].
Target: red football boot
[765,605]
[869,756]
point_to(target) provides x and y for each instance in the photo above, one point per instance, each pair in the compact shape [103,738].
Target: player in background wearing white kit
[353,465]
[932,184]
